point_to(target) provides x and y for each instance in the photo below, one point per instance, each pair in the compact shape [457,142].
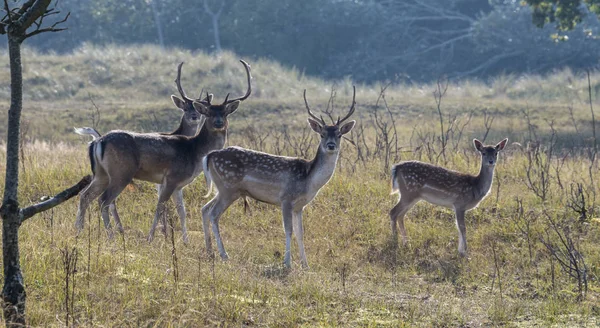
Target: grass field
[357,277]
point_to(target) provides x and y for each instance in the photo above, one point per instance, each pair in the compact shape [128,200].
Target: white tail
[417,181]
[209,183]
[395,189]
[88,131]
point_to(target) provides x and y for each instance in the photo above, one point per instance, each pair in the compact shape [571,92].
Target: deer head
[190,115]
[216,115]
[331,135]
[489,154]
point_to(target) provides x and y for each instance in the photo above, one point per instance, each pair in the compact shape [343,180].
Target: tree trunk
[215,24]
[159,31]
[13,292]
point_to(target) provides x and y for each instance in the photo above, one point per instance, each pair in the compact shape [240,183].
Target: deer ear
[478,144]
[347,127]
[232,107]
[178,102]
[501,144]
[315,126]
[201,108]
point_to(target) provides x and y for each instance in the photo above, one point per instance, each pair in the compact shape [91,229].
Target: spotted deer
[188,126]
[289,182]
[173,161]
[417,181]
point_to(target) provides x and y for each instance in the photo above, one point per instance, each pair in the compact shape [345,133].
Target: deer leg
[178,200]
[206,224]
[113,211]
[107,198]
[286,210]
[299,232]
[218,207]
[86,197]
[163,218]
[397,216]
[165,193]
[115,214]
[462,231]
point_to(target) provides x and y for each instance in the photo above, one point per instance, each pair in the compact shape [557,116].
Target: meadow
[533,257]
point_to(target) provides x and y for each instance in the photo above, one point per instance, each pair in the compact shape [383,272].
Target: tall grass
[357,277]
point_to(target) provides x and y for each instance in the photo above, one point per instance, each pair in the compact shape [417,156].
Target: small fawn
[417,181]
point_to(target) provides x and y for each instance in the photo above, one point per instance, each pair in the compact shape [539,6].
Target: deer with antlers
[173,161]
[417,181]
[189,123]
[291,183]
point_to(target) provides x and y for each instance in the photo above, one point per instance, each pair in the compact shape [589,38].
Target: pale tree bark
[15,25]
[215,23]
[159,30]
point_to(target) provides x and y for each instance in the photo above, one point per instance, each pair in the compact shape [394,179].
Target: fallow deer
[173,161]
[291,183]
[190,121]
[417,181]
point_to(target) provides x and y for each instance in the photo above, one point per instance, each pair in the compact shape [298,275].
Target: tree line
[367,40]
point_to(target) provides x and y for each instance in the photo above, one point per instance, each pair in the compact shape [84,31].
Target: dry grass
[131,86]
[357,277]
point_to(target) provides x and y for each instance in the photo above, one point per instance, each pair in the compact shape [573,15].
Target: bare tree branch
[63,196]
[30,15]
[52,28]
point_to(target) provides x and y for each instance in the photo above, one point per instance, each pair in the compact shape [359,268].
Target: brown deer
[417,181]
[291,183]
[188,126]
[173,161]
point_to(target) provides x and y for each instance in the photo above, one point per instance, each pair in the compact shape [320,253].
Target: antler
[178,82]
[207,99]
[351,108]
[247,67]
[320,120]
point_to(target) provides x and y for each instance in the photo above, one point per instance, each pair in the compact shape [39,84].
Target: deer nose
[330,146]
[491,162]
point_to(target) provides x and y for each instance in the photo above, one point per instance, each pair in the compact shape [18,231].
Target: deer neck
[208,140]
[485,178]
[186,129]
[321,168]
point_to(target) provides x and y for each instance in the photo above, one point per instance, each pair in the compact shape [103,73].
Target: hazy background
[367,40]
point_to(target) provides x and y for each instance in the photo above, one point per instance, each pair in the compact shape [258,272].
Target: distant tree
[18,24]
[157,22]
[565,13]
[122,21]
[214,16]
